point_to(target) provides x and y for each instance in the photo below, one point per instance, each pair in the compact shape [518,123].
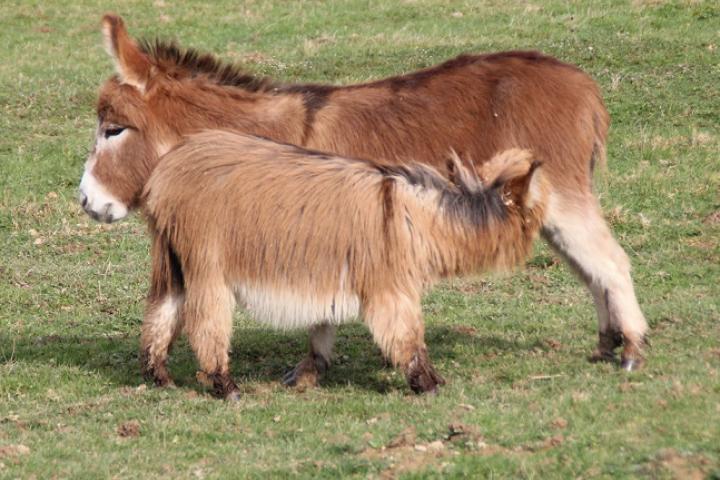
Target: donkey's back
[476,104]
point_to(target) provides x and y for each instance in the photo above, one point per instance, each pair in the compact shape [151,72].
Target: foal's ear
[131,63]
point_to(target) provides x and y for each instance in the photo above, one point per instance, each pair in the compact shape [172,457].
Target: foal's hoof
[159,377]
[222,384]
[421,375]
[165,383]
[306,374]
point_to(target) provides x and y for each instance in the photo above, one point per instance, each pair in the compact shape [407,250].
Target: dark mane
[180,62]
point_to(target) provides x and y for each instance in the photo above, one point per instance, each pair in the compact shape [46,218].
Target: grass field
[521,400]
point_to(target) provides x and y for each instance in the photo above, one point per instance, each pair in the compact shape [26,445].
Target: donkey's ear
[506,166]
[132,65]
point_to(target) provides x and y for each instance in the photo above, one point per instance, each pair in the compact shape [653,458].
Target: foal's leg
[395,322]
[161,326]
[306,373]
[576,229]
[208,322]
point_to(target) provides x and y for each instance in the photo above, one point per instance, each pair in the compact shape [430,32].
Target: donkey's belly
[285,308]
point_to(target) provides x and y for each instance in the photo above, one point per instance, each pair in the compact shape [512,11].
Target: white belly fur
[283,308]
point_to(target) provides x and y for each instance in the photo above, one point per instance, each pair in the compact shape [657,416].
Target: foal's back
[260,211]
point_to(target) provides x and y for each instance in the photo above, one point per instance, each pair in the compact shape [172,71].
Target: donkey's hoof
[159,377]
[426,382]
[222,384]
[301,378]
[233,396]
[632,364]
[165,383]
[600,356]
[632,356]
[421,375]
[306,374]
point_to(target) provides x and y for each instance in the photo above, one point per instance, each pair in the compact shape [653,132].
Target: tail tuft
[506,166]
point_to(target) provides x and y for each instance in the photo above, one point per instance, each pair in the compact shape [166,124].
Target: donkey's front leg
[208,322]
[307,372]
[397,327]
[161,326]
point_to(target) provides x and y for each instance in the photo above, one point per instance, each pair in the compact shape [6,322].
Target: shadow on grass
[258,355]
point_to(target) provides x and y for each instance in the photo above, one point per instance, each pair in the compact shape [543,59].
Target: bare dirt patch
[13,451]
[129,429]
[679,465]
[713,218]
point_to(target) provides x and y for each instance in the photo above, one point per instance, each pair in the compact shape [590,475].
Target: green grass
[513,349]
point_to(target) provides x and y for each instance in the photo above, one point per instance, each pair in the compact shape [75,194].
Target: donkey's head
[159,94]
[127,140]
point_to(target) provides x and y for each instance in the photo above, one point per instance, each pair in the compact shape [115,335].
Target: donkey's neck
[272,114]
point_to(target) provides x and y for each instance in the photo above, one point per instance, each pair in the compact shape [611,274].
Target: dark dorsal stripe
[194,63]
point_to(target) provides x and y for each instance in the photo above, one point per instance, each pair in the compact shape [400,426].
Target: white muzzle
[100,204]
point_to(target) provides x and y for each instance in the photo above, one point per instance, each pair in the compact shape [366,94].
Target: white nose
[97,202]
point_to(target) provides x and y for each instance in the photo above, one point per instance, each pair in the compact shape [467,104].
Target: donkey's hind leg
[208,322]
[577,230]
[396,324]
[306,373]
[161,326]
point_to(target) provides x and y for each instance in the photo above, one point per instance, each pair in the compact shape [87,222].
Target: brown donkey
[303,238]
[476,105]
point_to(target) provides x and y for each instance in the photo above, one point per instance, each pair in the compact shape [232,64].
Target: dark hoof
[608,342]
[224,386]
[158,374]
[421,375]
[300,377]
[603,357]
[306,374]
[165,383]
[290,379]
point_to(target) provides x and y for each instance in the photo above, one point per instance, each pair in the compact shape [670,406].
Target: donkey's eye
[113,131]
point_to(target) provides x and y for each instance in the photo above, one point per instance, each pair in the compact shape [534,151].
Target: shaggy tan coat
[477,105]
[303,238]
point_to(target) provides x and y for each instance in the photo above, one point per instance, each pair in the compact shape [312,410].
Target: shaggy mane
[190,62]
